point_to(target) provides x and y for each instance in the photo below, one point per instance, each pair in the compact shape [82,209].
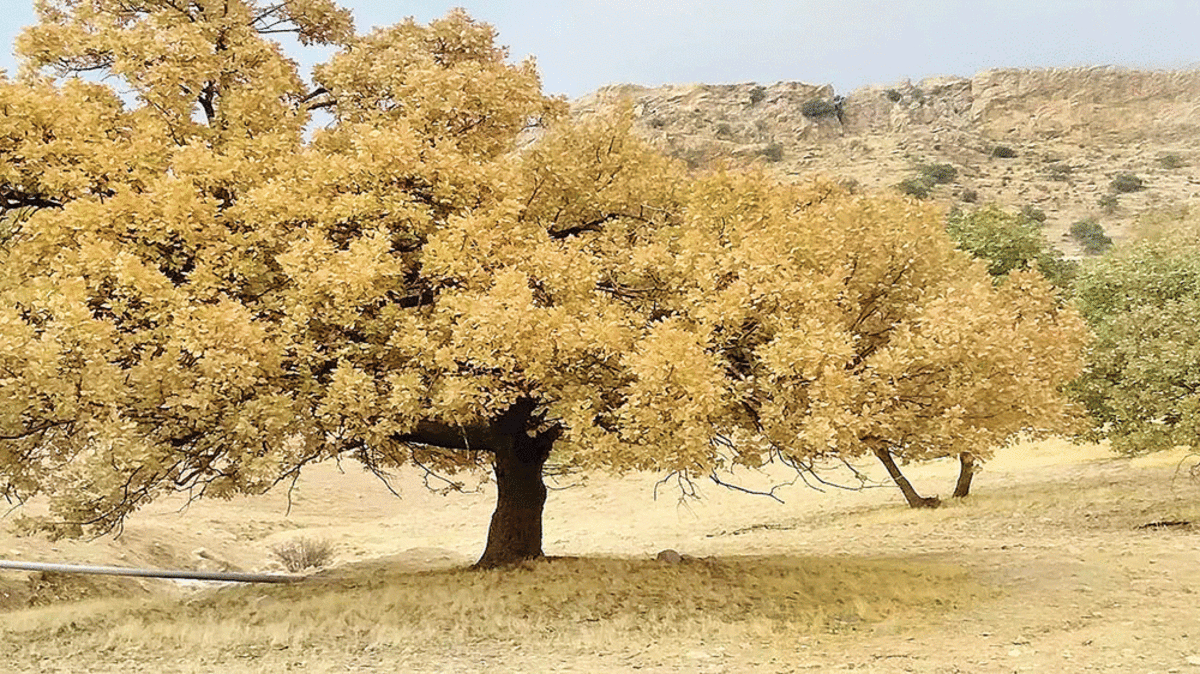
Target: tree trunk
[516,531]
[966,472]
[914,499]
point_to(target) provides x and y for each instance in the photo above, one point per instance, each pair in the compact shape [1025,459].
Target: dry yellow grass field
[1043,568]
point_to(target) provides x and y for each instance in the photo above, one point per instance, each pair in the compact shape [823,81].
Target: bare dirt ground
[1044,568]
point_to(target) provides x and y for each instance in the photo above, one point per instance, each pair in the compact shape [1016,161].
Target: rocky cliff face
[1071,131]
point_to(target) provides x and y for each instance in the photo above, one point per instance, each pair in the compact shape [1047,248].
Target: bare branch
[713,476]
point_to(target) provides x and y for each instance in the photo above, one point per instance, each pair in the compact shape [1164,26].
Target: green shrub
[1108,203]
[724,130]
[1003,152]
[893,95]
[1126,182]
[969,196]
[938,174]
[757,95]
[1008,241]
[818,107]
[1059,171]
[1171,161]
[1090,235]
[915,187]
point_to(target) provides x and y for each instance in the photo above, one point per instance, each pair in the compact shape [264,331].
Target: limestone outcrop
[1066,133]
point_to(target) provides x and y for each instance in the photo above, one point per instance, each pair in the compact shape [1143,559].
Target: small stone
[669,556]
[1193,660]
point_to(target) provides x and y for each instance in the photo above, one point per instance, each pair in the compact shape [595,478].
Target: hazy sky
[584,44]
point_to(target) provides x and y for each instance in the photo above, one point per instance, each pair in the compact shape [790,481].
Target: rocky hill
[1052,140]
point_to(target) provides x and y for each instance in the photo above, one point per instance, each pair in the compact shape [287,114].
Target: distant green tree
[1009,241]
[1142,381]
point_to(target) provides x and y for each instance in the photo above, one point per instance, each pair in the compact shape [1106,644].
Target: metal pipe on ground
[178,574]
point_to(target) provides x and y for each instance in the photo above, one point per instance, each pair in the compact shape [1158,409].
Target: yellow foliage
[199,297]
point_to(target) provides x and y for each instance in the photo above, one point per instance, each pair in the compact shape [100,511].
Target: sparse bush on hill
[304,553]
[815,108]
[928,176]
[915,187]
[1126,182]
[1109,203]
[1003,152]
[1090,235]
[938,174]
[969,196]
[893,95]
[1059,171]
[1171,161]
[758,94]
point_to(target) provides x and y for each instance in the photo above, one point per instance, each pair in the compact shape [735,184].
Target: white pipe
[227,576]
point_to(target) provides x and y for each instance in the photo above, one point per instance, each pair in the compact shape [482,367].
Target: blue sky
[584,44]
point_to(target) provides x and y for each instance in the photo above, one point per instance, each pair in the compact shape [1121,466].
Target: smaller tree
[1142,379]
[1008,241]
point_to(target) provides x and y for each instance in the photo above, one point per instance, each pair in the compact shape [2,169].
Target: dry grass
[304,553]
[567,601]
[841,577]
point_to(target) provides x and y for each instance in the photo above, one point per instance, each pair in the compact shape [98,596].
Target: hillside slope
[1071,131]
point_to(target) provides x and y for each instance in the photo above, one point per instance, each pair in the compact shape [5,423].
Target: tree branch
[744,490]
[12,199]
[593,226]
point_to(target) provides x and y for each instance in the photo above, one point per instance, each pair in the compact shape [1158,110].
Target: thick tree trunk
[914,499]
[966,471]
[516,531]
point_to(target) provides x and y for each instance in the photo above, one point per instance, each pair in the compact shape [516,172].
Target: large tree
[196,295]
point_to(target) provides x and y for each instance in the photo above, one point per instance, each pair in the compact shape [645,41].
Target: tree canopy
[1142,380]
[1009,241]
[196,295]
